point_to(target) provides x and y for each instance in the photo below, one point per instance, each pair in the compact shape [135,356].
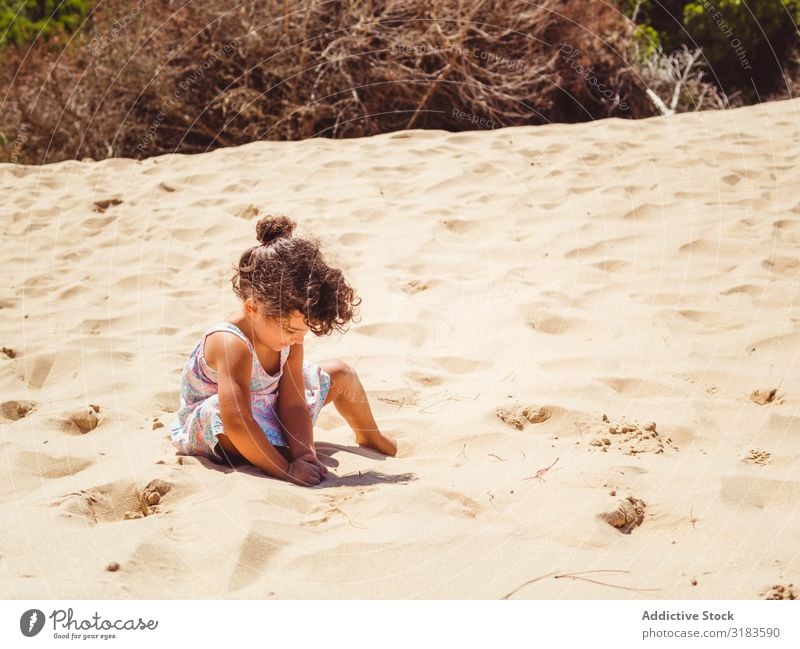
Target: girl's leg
[350,399]
[234,456]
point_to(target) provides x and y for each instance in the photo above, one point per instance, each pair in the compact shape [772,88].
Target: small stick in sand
[541,472]
[530,581]
[575,575]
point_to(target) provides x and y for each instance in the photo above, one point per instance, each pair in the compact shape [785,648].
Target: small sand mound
[536,415]
[629,438]
[86,420]
[521,416]
[120,500]
[757,456]
[628,515]
[779,591]
[148,499]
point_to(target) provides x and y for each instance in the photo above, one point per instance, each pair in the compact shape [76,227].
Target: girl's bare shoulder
[223,345]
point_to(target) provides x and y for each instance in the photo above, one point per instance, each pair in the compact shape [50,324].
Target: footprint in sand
[96,225]
[410,332]
[418,285]
[168,401]
[47,466]
[461,504]
[354,239]
[548,323]
[102,206]
[748,289]
[763,396]
[611,265]
[782,265]
[628,515]
[255,552]
[425,379]
[636,388]
[539,317]
[114,501]
[248,211]
[459,365]
[14,410]
[601,248]
[458,226]
[749,492]
[37,371]
[644,211]
[787,230]
[732,179]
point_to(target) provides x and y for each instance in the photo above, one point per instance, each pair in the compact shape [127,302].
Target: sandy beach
[584,337]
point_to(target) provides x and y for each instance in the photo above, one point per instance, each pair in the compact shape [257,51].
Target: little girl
[247,393]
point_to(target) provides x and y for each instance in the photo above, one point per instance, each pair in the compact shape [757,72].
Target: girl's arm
[234,369]
[293,413]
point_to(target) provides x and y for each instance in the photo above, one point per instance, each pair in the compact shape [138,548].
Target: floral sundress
[196,425]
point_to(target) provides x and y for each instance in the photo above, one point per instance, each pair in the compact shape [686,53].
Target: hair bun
[272,227]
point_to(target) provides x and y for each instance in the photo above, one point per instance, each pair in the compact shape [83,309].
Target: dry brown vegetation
[189,77]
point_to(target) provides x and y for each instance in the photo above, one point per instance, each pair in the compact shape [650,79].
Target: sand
[585,339]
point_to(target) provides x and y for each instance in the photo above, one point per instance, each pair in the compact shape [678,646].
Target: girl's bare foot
[350,399]
[378,442]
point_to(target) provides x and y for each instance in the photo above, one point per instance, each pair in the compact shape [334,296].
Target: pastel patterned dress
[196,426]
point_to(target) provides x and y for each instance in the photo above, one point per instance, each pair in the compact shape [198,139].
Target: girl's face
[274,333]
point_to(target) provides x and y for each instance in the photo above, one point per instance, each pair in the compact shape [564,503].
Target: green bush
[744,43]
[648,40]
[664,17]
[21,21]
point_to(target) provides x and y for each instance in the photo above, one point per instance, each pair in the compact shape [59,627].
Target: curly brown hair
[285,274]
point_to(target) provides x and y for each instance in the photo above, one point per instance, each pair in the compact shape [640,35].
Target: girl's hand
[311,456]
[322,468]
[305,471]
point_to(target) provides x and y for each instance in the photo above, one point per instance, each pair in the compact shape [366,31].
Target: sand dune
[584,337]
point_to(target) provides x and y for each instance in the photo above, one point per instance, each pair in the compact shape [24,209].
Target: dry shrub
[679,83]
[193,76]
